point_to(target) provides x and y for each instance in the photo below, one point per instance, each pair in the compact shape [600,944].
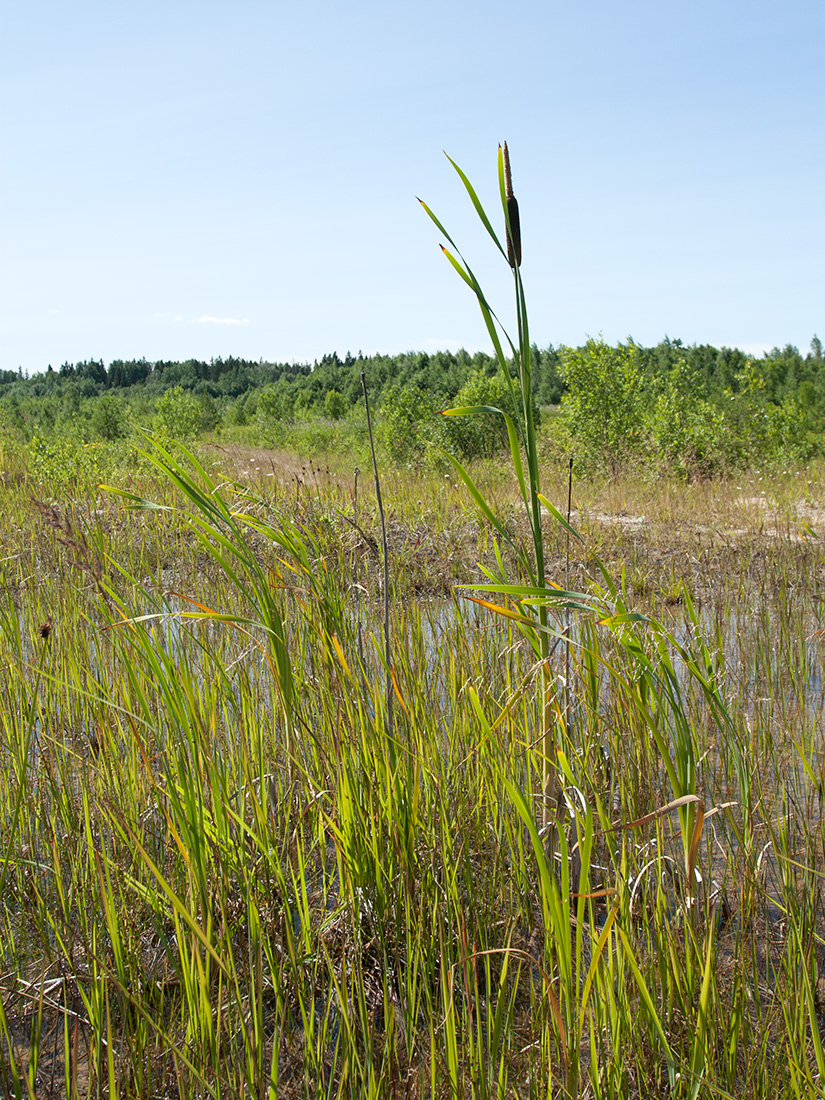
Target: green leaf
[523,810]
[467,279]
[697,1061]
[487,511]
[559,518]
[535,595]
[438,224]
[479,208]
[651,1008]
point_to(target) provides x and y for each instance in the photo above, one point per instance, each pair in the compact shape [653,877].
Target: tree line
[696,407]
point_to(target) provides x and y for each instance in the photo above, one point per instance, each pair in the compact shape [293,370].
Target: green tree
[686,429]
[208,412]
[407,414]
[604,406]
[178,414]
[335,405]
[110,417]
[484,435]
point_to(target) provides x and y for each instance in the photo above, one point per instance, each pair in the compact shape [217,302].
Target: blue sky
[200,179]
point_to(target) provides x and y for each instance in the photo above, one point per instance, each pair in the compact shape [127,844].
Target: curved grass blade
[512,435]
[489,514]
[559,518]
[477,204]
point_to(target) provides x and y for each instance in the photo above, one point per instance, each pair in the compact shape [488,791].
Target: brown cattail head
[514,232]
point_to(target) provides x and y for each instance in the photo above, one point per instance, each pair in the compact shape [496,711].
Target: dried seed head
[45,629]
[508,179]
[514,241]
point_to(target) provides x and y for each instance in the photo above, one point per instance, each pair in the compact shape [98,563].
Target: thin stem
[356,567]
[548,769]
[385,549]
[567,586]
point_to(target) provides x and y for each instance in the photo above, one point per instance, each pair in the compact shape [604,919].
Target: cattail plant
[535,596]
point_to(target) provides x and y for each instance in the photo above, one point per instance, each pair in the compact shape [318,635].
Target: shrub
[603,409]
[110,417]
[686,429]
[59,462]
[484,435]
[236,413]
[178,414]
[209,416]
[407,415]
[335,405]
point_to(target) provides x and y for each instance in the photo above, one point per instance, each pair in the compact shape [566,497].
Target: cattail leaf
[597,953]
[438,224]
[490,322]
[524,620]
[397,689]
[525,591]
[470,410]
[693,851]
[480,501]
[512,435]
[498,609]
[697,1061]
[559,518]
[653,1016]
[467,275]
[464,275]
[477,204]
[660,811]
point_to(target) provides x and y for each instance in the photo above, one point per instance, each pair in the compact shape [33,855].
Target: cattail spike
[508,179]
[514,240]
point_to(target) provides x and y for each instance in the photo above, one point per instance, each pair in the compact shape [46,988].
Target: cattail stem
[385,547]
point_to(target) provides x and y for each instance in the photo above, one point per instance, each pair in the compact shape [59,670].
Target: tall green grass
[218,880]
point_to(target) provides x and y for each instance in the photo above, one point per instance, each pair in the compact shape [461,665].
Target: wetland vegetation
[210,886]
[567,842]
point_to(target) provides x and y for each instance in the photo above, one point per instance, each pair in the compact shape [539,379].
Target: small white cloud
[54,311]
[206,320]
[756,349]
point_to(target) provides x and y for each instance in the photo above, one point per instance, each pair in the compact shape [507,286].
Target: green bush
[110,417]
[485,434]
[178,414]
[209,415]
[759,430]
[686,430]
[335,405]
[236,413]
[57,462]
[407,415]
[604,407]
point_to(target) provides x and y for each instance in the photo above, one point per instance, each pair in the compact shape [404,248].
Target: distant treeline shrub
[694,410]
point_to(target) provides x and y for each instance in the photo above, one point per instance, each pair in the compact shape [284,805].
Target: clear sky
[211,178]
